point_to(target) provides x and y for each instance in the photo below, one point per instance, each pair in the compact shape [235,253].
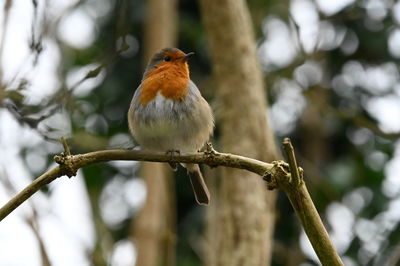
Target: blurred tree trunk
[245,220]
[314,139]
[154,227]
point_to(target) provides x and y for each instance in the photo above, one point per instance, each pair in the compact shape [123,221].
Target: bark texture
[246,217]
[154,227]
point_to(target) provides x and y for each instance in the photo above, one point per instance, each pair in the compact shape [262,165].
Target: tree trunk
[161,26]
[154,227]
[245,219]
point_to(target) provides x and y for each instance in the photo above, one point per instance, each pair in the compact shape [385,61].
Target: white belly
[164,124]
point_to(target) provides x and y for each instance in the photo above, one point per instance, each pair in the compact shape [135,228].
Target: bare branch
[69,164]
[296,190]
[65,146]
[276,174]
[287,144]
[31,221]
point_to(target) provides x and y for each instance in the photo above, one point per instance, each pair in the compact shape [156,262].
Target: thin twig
[294,170]
[65,146]
[31,221]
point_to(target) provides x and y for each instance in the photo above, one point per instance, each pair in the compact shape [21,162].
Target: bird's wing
[136,96]
[193,89]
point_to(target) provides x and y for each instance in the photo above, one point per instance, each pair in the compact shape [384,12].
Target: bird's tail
[200,189]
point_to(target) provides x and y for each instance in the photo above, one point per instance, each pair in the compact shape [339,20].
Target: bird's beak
[186,56]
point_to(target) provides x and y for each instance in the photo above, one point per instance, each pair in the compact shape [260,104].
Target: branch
[69,164]
[296,190]
[294,170]
[276,174]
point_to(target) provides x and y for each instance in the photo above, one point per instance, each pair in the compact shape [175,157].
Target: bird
[168,113]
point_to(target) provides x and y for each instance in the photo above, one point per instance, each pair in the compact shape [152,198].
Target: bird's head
[169,59]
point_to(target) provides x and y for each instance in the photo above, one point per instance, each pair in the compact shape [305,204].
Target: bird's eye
[167,58]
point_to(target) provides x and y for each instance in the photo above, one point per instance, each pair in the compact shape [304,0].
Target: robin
[168,113]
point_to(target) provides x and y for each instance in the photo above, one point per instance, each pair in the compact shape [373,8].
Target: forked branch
[278,174]
[304,207]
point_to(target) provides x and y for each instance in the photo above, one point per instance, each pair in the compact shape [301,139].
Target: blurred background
[69,68]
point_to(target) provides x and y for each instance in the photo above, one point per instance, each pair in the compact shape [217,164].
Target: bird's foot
[131,147]
[209,150]
[171,153]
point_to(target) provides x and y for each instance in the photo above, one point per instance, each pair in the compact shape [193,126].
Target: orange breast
[171,80]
